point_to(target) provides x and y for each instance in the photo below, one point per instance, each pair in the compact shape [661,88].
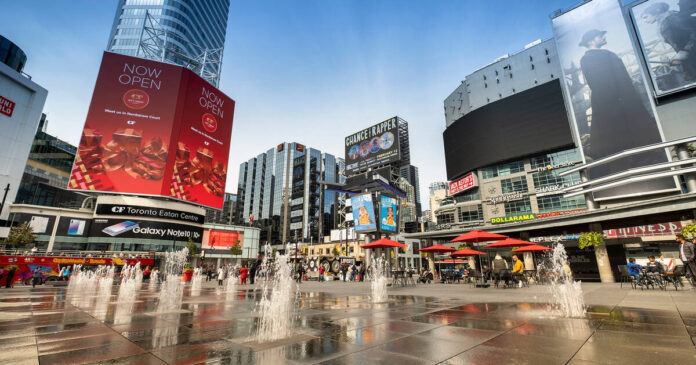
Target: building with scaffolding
[182,32]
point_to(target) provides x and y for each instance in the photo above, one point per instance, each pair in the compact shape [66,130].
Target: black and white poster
[608,95]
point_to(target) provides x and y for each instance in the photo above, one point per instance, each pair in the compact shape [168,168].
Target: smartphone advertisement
[145,229]
[154,129]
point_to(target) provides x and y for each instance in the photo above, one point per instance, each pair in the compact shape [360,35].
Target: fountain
[231,285]
[276,306]
[566,292]
[379,280]
[154,278]
[196,281]
[172,288]
[131,280]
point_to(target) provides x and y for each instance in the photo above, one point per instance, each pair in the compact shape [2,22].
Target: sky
[310,72]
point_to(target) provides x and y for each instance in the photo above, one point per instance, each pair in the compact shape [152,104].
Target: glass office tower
[183,32]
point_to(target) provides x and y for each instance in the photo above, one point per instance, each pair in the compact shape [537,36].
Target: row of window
[545,204]
[549,159]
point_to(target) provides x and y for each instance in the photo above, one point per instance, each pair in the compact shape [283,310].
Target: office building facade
[186,33]
[280,191]
[410,173]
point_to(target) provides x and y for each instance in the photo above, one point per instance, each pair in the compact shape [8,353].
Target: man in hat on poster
[620,118]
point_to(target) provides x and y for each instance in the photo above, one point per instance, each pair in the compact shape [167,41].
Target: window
[513,185]
[556,158]
[552,178]
[552,203]
[485,85]
[548,60]
[467,197]
[447,218]
[530,58]
[518,207]
[497,81]
[502,169]
[532,66]
[470,214]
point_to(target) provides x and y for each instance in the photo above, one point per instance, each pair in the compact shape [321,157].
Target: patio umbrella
[532,248]
[439,249]
[477,236]
[508,242]
[383,243]
[469,252]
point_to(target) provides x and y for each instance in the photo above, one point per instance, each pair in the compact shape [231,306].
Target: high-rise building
[280,191]
[408,205]
[410,173]
[438,191]
[183,32]
[224,216]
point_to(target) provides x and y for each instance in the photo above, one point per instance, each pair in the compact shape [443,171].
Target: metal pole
[2,204]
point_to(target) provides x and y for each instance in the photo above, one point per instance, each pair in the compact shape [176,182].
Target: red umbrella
[479,236]
[438,249]
[532,248]
[383,243]
[508,242]
[467,252]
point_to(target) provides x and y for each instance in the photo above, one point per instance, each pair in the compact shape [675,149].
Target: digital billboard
[388,212]
[464,183]
[523,124]
[373,146]
[154,129]
[363,213]
[217,239]
[607,93]
[667,33]
[145,229]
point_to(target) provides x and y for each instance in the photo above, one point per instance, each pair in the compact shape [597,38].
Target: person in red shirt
[146,273]
[243,274]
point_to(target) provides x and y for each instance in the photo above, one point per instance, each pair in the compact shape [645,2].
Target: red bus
[51,265]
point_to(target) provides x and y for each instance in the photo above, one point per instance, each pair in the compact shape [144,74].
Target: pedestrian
[321,272]
[299,269]
[146,273]
[60,273]
[362,272]
[243,275]
[221,275]
[353,272]
[10,277]
[344,270]
[36,276]
[2,272]
[255,266]
[66,274]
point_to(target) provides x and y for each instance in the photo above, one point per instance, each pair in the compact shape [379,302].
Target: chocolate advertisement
[154,129]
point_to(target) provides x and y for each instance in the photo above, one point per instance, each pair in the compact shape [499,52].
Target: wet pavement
[337,324]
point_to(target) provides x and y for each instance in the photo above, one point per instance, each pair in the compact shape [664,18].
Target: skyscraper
[279,190]
[410,173]
[184,32]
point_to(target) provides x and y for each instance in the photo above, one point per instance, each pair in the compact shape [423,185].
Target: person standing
[255,266]
[243,275]
[2,272]
[35,276]
[10,277]
[66,273]
[146,273]
[299,269]
[344,270]
[321,272]
[221,275]
[687,255]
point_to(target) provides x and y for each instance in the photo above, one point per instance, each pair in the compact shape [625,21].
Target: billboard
[607,93]
[388,213]
[373,146]
[667,32]
[154,129]
[523,124]
[363,213]
[464,183]
[217,239]
[153,230]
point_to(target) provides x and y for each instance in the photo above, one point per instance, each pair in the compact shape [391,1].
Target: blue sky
[311,72]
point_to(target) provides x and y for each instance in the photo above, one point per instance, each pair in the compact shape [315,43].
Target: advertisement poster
[38,224]
[464,183]
[373,146]
[363,213]
[216,239]
[72,226]
[388,213]
[154,129]
[608,94]
[667,33]
[145,230]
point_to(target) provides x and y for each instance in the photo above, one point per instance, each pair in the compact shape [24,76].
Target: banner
[363,213]
[154,129]
[145,229]
[376,145]
[140,211]
[667,33]
[388,214]
[464,183]
[608,96]
[217,239]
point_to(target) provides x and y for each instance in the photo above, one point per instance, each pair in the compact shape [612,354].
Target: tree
[590,239]
[21,235]
[192,247]
[463,247]
[235,249]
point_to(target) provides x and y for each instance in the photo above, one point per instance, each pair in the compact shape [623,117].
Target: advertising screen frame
[596,52]
[367,146]
[363,201]
[464,183]
[640,31]
[386,202]
[154,129]
[208,235]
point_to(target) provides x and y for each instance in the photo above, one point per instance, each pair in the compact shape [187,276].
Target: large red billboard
[154,129]
[216,239]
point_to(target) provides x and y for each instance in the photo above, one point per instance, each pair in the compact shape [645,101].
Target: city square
[348,182]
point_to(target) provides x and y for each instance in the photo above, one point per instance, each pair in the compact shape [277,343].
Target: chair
[677,276]
[624,277]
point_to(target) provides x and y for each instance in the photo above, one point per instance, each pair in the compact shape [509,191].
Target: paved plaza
[336,323]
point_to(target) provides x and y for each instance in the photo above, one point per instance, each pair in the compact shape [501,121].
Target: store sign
[554,238]
[465,183]
[504,198]
[513,218]
[6,106]
[556,166]
[559,213]
[139,211]
[551,189]
[145,229]
[661,229]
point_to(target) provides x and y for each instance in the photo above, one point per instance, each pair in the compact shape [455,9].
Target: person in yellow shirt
[517,270]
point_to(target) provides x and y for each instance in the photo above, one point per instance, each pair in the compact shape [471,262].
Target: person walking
[688,256]
[321,272]
[344,270]
[255,266]
[2,272]
[66,273]
[35,276]
[299,269]
[60,273]
[243,275]
[10,277]
[362,272]
[353,272]
[221,275]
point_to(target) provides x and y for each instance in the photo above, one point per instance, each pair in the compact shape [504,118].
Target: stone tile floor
[337,324]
